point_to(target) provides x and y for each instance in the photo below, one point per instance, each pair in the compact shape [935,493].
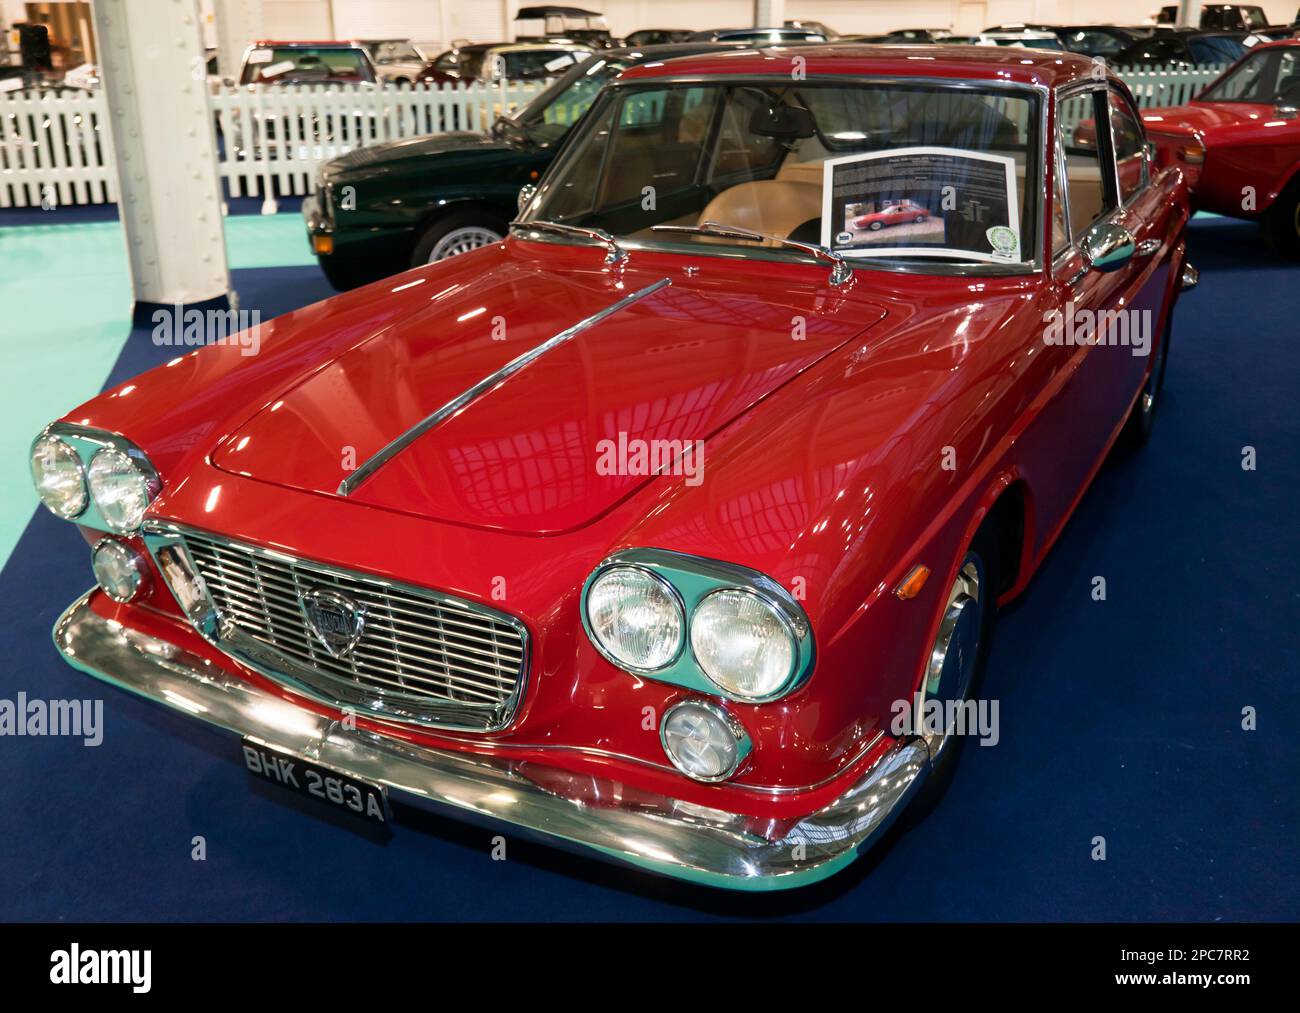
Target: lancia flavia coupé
[632,531]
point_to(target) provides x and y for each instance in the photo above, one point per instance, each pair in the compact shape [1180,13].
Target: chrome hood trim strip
[484,386]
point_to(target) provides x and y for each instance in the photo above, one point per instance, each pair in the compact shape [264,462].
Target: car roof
[315,44]
[1021,65]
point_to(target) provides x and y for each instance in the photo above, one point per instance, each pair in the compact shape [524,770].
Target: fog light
[703,741]
[119,569]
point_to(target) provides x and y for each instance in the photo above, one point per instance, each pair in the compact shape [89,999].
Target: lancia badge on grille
[336,620]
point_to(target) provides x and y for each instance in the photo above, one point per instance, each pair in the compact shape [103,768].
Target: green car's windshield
[1267,78]
[548,117]
[916,174]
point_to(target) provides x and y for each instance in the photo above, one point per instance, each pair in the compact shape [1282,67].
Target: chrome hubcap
[951,670]
[458,241]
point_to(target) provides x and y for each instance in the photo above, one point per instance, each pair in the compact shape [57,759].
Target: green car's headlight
[121,488]
[58,476]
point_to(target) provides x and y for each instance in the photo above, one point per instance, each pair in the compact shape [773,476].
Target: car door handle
[1147,247]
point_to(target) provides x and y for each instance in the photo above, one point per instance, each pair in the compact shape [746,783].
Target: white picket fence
[55,147]
[273,140]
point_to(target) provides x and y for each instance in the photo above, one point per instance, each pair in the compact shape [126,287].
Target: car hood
[1206,117]
[567,437]
[413,153]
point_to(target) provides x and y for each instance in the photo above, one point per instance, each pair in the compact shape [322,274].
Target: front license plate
[359,798]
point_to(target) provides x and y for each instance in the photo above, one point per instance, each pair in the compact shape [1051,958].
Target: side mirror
[1107,247]
[526,193]
[1286,111]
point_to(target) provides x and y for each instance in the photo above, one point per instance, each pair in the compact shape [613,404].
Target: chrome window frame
[1063,94]
[1113,89]
[1041,260]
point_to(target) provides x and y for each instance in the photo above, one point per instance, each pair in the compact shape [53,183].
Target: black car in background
[1183,49]
[385,208]
[1096,40]
[1221,17]
[658,36]
[758,36]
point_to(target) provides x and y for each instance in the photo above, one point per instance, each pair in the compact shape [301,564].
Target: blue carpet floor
[1120,719]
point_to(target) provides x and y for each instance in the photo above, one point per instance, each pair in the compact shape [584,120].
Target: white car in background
[1026,38]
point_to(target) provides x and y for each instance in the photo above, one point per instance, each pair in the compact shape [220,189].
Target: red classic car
[1239,141]
[892,213]
[641,530]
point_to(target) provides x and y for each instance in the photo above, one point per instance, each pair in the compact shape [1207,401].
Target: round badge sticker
[1003,240]
[844,237]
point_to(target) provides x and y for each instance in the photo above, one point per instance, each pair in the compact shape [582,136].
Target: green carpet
[66,291]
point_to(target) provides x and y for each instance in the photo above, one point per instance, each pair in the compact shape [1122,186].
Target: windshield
[550,115]
[306,65]
[1267,78]
[911,173]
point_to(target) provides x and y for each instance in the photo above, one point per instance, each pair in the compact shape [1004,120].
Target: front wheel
[1282,221]
[456,234]
[875,226]
[955,665]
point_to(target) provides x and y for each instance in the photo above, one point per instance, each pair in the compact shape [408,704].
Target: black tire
[1282,221]
[987,553]
[1141,420]
[876,226]
[458,221]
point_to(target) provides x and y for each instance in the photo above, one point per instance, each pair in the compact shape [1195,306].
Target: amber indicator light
[911,585]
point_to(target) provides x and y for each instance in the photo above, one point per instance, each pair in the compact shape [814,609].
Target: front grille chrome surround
[422,657]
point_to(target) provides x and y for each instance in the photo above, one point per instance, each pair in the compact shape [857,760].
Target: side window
[1130,150]
[1091,192]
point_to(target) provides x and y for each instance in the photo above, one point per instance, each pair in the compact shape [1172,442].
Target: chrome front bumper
[663,835]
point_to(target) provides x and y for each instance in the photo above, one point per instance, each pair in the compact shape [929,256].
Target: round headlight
[119,569]
[58,476]
[636,618]
[121,489]
[743,644]
[702,740]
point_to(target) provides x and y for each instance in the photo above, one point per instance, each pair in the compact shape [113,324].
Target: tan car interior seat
[773,206]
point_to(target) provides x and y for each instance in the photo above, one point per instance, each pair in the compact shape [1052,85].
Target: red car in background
[566,536]
[1239,142]
[892,214]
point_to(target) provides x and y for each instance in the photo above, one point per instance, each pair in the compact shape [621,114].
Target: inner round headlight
[121,489]
[702,740]
[58,476]
[636,618]
[743,644]
[119,569]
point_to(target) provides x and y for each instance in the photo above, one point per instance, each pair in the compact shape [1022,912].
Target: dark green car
[383,209]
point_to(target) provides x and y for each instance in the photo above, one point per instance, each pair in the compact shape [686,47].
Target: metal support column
[169,195]
[769,13]
[239,25]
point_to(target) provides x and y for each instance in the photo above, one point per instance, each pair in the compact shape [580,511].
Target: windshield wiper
[841,272]
[615,255]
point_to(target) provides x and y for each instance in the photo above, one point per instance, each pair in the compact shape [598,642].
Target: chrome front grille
[421,656]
